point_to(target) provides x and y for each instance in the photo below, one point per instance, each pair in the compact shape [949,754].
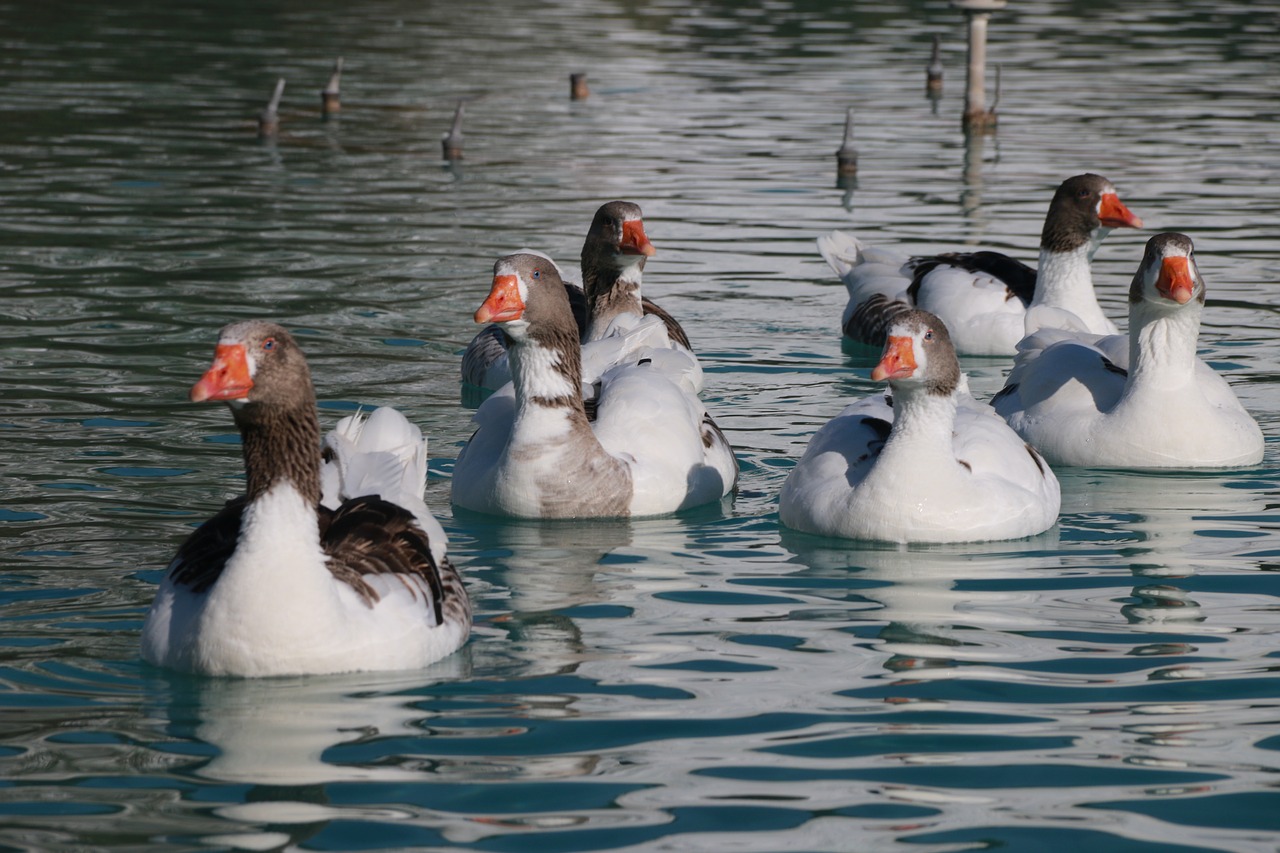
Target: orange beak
[898,361]
[227,379]
[1114,214]
[504,302]
[634,242]
[1175,281]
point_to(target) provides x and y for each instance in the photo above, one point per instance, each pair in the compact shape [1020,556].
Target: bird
[647,446]
[988,300]
[925,463]
[1141,400]
[609,304]
[279,583]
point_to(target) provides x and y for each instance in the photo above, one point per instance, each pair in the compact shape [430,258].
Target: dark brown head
[919,352]
[616,237]
[1080,208]
[1168,273]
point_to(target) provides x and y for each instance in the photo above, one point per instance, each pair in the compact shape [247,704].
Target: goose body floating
[926,464]
[323,565]
[1141,400]
[988,300]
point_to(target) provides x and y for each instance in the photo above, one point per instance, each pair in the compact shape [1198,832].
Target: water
[704,682]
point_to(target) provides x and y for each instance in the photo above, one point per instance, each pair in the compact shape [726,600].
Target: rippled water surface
[702,682]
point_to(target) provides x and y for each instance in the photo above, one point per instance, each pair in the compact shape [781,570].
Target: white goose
[988,300]
[278,584]
[1142,400]
[929,465]
[612,317]
[651,448]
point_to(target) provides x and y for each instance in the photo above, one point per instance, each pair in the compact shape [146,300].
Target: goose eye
[269,344]
[537,273]
[928,334]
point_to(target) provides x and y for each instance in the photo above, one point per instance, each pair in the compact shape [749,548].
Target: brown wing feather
[201,559]
[369,536]
[674,330]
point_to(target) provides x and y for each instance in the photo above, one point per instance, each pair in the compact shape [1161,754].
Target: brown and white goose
[1141,400]
[650,447]
[988,300]
[277,583]
[612,316]
[932,465]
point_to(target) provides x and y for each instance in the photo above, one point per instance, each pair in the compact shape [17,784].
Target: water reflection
[943,606]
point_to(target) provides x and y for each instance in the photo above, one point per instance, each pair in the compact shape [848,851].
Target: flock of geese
[332,562]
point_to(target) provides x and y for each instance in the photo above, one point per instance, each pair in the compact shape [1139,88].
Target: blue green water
[702,682]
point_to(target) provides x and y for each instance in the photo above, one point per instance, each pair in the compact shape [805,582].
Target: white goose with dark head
[929,464]
[277,583]
[987,299]
[647,446]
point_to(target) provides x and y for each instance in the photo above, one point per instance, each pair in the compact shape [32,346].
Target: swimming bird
[646,447]
[926,464]
[1141,400]
[988,300]
[278,582]
[608,304]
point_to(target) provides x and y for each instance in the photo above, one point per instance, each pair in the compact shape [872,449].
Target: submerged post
[933,71]
[330,101]
[847,155]
[269,118]
[978,12]
[451,142]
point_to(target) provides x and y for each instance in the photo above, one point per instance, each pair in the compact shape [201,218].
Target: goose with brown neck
[929,465]
[988,300]
[277,583]
[613,318]
[1141,400]
[647,447]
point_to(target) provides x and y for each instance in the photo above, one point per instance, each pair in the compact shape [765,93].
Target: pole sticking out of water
[933,72]
[451,142]
[269,118]
[976,114]
[847,155]
[578,90]
[329,101]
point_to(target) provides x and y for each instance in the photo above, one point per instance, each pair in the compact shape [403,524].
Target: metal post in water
[847,155]
[269,118]
[978,12]
[451,142]
[329,101]
[933,72]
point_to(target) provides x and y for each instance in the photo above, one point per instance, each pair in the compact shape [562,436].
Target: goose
[608,306]
[1141,400]
[988,300]
[648,447]
[277,583]
[928,464]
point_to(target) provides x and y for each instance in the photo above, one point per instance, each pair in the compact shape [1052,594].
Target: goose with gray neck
[613,318]
[278,583]
[988,300]
[646,447]
[1141,400]
[928,464]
